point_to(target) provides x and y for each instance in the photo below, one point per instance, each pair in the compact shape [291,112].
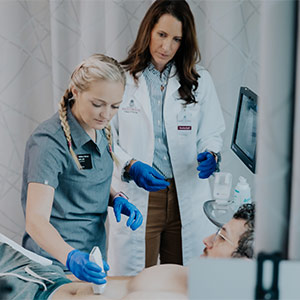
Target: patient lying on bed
[234,239]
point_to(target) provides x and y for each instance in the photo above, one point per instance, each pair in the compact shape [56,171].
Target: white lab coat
[133,135]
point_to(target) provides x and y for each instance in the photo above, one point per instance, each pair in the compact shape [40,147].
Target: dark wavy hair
[246,242]
[186,56]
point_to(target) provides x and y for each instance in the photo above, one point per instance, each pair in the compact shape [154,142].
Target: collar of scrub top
[79,136]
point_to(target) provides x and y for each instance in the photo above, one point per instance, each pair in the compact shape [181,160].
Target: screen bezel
[250,163]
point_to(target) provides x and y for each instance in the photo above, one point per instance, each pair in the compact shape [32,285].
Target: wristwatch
[124,174]
[120,194]
[217,157]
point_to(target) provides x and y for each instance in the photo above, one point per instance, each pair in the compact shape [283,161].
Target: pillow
[31,255]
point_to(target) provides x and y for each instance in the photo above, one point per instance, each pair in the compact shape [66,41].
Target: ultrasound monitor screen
[246,132]
[244,135]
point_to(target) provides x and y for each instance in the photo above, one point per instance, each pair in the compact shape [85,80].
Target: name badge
[85,161]
[184,122]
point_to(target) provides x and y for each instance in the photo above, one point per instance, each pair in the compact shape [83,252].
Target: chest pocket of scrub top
[87,189]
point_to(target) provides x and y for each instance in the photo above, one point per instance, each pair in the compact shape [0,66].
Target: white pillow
[40,259]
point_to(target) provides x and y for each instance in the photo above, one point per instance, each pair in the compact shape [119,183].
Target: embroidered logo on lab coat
[131,108]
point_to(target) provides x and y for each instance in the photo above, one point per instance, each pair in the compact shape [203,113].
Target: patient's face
[224,243]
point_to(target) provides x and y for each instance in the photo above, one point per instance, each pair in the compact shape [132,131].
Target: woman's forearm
[48,238]
[38,226]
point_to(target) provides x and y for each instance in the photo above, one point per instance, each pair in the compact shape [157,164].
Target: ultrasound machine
[221,209]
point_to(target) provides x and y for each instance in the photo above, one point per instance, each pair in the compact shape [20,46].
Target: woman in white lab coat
[167,140]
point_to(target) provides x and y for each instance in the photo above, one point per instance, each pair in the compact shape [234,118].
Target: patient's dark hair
[246,243]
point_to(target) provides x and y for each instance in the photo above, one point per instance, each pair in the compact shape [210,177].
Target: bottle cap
[242,180]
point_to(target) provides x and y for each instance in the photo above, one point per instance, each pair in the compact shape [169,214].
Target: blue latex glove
[122,205]
[79,264]
[105,265]
[147,178]
[207,164]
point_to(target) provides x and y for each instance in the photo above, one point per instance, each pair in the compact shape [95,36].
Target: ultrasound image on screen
[246,133]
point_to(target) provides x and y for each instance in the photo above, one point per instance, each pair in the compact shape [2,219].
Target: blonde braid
[65,125]
[107,130]
[94,68]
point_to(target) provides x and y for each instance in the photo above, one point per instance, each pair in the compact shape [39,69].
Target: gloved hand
[122,205]
[147,178]
[79,264]
[207,164]
[105,265]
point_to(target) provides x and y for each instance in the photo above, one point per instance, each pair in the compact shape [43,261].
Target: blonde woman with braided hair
[68,169]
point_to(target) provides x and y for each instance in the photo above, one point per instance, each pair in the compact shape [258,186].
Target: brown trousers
[163,228]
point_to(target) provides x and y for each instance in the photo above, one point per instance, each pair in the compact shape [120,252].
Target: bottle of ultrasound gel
[242,194]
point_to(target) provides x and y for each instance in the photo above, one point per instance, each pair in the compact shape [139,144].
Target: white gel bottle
[242,194]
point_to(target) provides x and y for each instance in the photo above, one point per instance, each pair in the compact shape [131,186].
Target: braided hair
[97,66]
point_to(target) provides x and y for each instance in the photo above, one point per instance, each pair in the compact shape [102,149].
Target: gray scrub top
[81,196]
